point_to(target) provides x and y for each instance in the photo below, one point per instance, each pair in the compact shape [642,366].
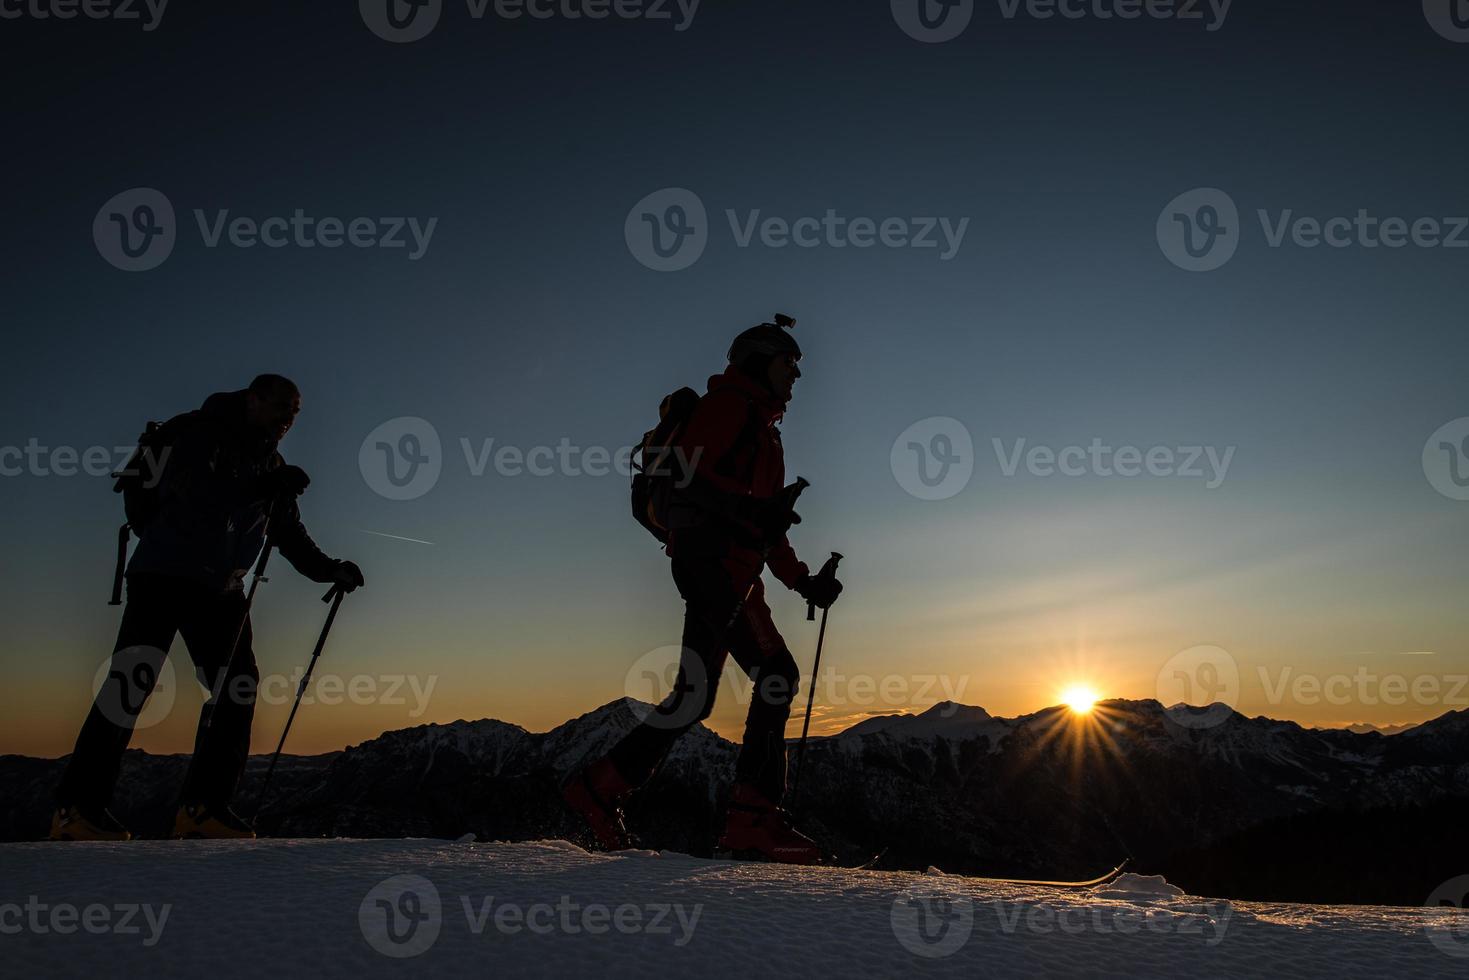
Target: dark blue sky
[528,320]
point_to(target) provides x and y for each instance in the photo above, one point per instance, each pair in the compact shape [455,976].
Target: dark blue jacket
[213,499]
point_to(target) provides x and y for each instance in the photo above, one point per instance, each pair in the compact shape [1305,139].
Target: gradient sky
[1325,551]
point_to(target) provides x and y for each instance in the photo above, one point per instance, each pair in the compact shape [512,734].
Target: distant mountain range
[1363,728]
[1242,807]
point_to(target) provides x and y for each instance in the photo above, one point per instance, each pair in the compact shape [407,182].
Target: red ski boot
[595,794]
[754,824]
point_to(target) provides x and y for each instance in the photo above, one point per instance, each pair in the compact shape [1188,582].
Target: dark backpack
[138,482]
[659,469]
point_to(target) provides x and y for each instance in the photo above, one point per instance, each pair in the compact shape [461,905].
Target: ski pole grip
[335,592]
[828,570]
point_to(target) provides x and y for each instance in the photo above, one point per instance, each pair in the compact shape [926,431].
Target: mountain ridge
[1200,794]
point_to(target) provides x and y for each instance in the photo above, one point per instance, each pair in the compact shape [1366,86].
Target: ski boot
[74,823]
[199,821]
[596,794]
[756,827]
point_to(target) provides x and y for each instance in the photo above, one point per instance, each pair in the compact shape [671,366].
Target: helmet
[767,339]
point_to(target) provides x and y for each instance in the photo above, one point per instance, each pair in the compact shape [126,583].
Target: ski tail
[1101,880]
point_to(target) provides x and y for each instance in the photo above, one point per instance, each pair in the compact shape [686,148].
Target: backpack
[138,482]
[659,468]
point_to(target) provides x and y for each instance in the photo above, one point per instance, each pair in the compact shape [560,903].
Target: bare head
[271,405]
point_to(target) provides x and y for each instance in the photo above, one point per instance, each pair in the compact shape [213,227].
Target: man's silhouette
[222,482]
[725,527]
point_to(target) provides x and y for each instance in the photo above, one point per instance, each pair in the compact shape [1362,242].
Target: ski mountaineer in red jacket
[725,527]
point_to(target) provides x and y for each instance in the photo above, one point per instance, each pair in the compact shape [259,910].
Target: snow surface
[288,908]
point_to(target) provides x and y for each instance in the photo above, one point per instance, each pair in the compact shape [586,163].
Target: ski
[1102,880]
[867,865]
[752,857]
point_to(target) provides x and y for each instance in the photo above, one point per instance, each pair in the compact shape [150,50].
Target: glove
[286,481]
[772,515]
[819,590]
[348,576]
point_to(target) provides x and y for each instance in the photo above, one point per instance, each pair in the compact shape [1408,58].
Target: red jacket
[733,431]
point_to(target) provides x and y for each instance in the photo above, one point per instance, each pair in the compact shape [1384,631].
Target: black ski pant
[158,607]
[711,593]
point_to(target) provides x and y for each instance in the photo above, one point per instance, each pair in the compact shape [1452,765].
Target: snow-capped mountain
[1221,803]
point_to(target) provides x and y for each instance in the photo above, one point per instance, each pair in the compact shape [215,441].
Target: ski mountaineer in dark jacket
[725,528]
[221,477]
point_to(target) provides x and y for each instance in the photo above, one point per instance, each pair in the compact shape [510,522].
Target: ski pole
[229,664]
[828,570]
[334,596]
[122,564]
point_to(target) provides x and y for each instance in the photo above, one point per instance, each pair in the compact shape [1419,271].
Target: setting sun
[1079,698]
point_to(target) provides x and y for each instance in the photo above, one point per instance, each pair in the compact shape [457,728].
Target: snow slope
[354,908]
